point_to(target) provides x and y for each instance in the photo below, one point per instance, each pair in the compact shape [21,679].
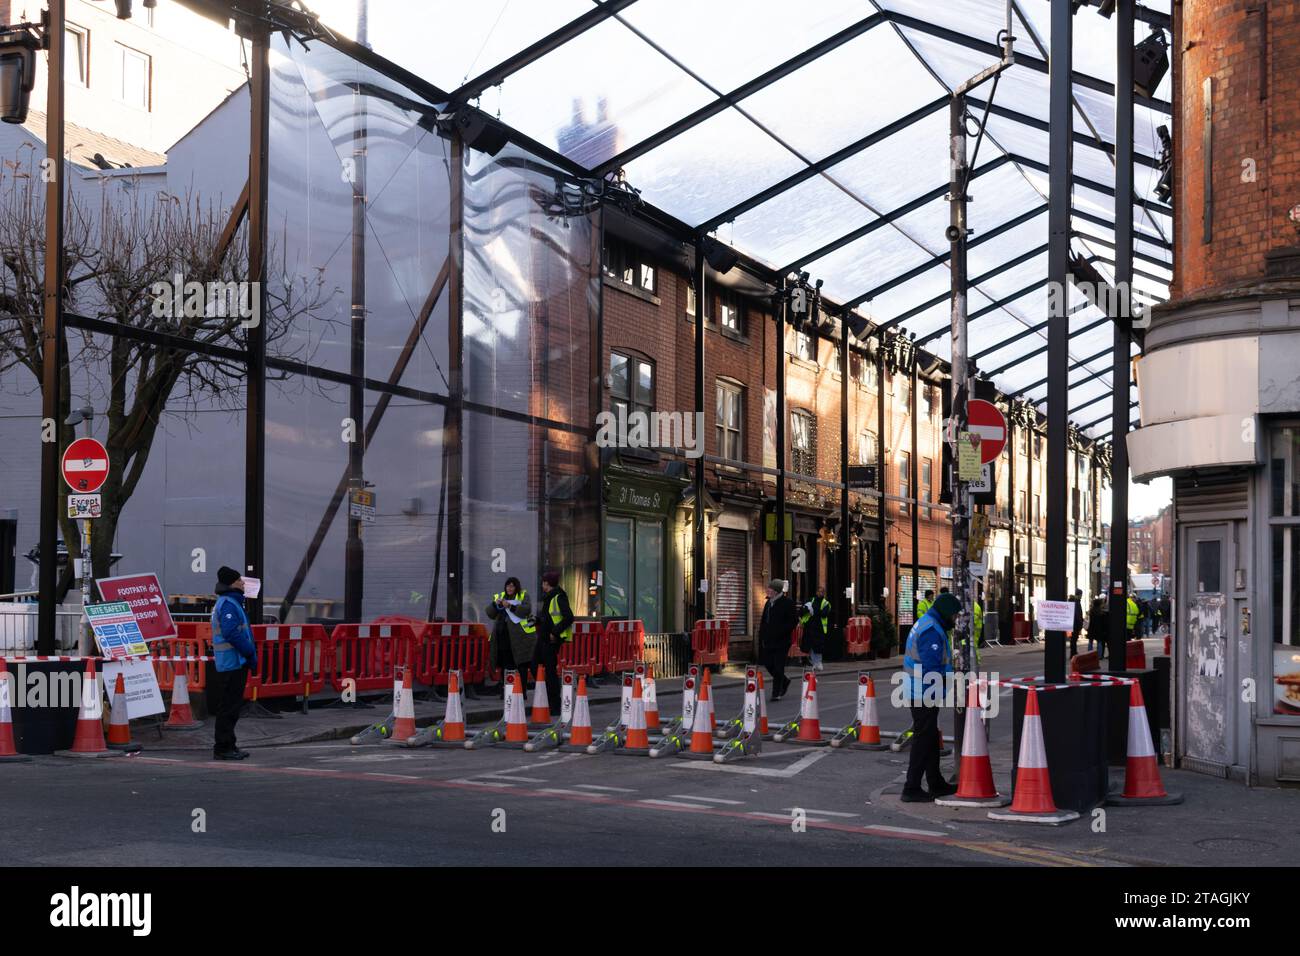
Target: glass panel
[764,35]
[980,19]
[450,42]
[796,220]
[649,575]
[598,94]
[1207,566]
[618,566]
[880,255]
[1284,473]
[921,149]
[804,108]
[644,384]
[1019,87]
[711,167]
[1286,619]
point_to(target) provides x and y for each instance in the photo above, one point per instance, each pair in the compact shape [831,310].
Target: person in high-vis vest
[816,621]
[926,662]
[923,605]
[554,630]
[513,637]
[1132,613]
[977,632]
[234,655]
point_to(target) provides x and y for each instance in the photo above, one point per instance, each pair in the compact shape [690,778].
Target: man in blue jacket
[925,665]
[234,654]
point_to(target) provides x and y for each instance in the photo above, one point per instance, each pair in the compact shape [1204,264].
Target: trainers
[916,796]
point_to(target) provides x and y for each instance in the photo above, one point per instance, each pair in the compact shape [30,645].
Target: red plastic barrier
[796,652]
[622,645]
[368,654]
[1135,658]
[195,645]
[1085,663]
[293,660]
[1168,644]
[452,646]
[1019,628]
[583,655]
[857,636]
[710,639]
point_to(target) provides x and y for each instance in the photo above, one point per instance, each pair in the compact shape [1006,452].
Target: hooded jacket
[232,638]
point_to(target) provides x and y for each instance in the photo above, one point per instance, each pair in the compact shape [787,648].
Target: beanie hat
[947,607]
[227,576]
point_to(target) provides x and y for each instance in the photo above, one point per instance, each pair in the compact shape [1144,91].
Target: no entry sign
[85,465]
[988,423]
[147,601]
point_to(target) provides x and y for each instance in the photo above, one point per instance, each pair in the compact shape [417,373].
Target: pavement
[307,798]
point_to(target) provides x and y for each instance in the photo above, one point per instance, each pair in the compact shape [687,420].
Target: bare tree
[124,253]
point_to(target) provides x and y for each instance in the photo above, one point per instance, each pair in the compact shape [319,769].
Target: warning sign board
[143,697]
[116,631]
[147,599]
[361,504]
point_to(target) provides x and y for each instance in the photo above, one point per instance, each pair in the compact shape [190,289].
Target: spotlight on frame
[18,46]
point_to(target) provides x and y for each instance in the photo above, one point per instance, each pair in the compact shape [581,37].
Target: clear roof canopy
[815,136]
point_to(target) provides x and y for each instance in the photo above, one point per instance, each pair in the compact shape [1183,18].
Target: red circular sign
[985,419]
[85,465]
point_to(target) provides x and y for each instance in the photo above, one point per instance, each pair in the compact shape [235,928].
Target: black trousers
[547,655]
[924,759]
[774,660]
[225,700]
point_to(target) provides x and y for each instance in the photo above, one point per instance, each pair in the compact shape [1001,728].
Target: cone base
[448,744]
[1119,800]
[1048,819]
[573,748]
[194,726]
[691,755]
[993,801]
[876,747]
[129,748]
[512,744]
[632,751]
[820,742]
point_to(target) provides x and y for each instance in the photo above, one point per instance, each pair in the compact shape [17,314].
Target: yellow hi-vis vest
[527,625]
[1131,613]
[556,617]
[823,621]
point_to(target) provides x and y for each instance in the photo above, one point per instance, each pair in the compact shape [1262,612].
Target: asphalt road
[332,804]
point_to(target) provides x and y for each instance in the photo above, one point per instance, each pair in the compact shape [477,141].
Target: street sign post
[85,469]
[147,601]
[987,421]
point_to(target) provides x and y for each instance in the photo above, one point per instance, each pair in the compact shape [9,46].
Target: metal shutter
[731,580]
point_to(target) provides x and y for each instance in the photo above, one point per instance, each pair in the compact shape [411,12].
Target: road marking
[822,813]
[503,776]
[803,763]
[676,803]
[313,769]
[376,773]
[479,783]
[593,786]
[688,796]
[880,827]
[572,793]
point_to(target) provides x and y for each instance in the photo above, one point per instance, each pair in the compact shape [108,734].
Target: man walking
[234,655]
[925,665]
[774,633]
[1075,634]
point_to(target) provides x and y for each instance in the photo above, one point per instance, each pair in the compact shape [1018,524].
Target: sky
[1146,500]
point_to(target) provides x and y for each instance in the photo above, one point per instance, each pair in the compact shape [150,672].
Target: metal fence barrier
[669,654]
[18,627]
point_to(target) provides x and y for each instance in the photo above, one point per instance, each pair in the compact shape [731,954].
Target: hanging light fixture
[18,46]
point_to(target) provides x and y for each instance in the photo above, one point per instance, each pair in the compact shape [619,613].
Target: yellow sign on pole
[969,466]
[979,536]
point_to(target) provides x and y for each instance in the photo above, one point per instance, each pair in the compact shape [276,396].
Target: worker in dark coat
[775,632]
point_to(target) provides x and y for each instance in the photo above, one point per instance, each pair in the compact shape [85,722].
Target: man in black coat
[774,634]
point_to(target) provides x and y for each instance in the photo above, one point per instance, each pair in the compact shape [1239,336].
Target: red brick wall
[1222,39]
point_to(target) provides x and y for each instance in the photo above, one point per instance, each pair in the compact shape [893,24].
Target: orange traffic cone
[516,722]
[451,729]
[975,786]
[701,733]
[810,725]
[580,730]
[652,721]
[1142,771]
[404,721]
[713,717]
[637,741]
[1032,798]
[8,752]
[762,709]
[541,700]
[182,715]
[119,725]
[89,738]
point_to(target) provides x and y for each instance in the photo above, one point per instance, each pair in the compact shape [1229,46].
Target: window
[928,396]
[863,371]
[905,392]
[1022,441]
[77,51]
[867,450]
[690,301]
[837,364]
[730,312]
[904,481]
[136,70]
[803,443]
[632,382]
[1038,510]
[730,412]
[628,264]
[1038,446]
[805,347]
[927,486]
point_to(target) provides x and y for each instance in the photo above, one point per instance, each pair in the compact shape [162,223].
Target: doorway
[634,570]
[1208,662]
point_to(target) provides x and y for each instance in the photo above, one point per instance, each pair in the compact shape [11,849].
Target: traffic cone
[713,716]
[450,731]
[580,730]
[749,742]
[182,714]
[652,721]
[735,726]
[864,732]
[636,742]
[975,786]
[1142,786]
[89,738]
[810,725]
[673,741]
[496,734]
[119,724]
[701,734]
[1032,798]
[516,722]
[404,722]
[541,716]
[624,707]
[8,752]
[762,709]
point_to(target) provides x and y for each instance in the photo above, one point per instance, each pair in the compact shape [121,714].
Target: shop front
[636,552]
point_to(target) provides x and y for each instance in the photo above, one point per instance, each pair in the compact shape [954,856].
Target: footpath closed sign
[1055,615]
[147,600]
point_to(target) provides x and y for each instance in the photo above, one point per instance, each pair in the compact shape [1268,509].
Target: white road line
[480,783]
[569,793]
[167,759]
[769,816]
[313,769]
[688,796]
[502,776]
[676,803]
[823,813]
[803,763]
[376,773]
[592,786]
[879,826]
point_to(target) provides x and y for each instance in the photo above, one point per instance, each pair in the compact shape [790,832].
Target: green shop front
[637,553]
